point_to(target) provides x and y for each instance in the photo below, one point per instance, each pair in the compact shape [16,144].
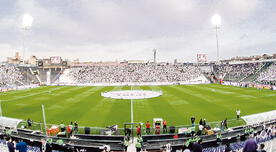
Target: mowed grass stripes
[177,104]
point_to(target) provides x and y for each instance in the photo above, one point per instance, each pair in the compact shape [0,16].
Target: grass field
[177,104]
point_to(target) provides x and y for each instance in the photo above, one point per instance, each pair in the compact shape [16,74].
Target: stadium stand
[10,75]
[20,75]
[139,72]
[237,72]
[261,72]
[238,147]
[4,148]
[269,75]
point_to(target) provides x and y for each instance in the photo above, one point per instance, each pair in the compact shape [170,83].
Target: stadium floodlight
[216,21]
[27,21]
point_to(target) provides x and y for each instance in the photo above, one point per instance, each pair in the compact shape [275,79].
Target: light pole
[216,21]
[27,22]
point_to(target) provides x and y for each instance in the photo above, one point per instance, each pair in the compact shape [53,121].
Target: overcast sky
[95,30]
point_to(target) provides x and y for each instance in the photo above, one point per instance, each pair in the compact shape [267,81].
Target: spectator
[204,123]
[126,143]
[200,129]
[138,131]
[76,127]
[165,126]
[10,144]
[185,147]
[127,132]
[21,146]
[69,129]
[225,123]
[238,112]
[197,147]
[250,145]
[222,125]
[262,146]
[106,148]
[148,127]
[29,122]
[228,148]
[219,138]
[175,136]
[193,120]
[138,146]
[200,121]
[45,147]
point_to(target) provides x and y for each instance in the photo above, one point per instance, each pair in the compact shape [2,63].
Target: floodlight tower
[216,21]
[27,22]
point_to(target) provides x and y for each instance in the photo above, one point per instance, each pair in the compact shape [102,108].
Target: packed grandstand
[256,74]
[252,72]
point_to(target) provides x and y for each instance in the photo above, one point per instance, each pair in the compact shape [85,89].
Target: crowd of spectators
[139,72]
[236,72]
[150,72]
[255,143]
[268,75]
[9,75]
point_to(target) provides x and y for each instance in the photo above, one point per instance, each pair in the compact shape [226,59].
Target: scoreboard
[52,62]
[56,60]
[201,58]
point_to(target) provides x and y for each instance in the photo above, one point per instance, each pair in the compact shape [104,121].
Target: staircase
[36,76]
[57,77]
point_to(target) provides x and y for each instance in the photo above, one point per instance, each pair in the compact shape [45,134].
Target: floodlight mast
[217,43]
[216,21]
[27,22]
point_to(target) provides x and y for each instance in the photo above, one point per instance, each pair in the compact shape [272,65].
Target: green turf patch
[64,104]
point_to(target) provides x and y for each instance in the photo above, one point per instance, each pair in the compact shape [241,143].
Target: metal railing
[39,126]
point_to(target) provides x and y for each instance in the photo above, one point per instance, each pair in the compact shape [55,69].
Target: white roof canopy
[9,122]
[259,117]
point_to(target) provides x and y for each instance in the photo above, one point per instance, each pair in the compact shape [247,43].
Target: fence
[38,126]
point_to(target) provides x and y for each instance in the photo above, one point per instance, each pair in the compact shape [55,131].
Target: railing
[38,126]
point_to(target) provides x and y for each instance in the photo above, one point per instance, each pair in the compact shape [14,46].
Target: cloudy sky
[107,30]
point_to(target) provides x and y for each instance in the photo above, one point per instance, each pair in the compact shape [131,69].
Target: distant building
[32,60]
[17,56]
[15,60]
[135,61]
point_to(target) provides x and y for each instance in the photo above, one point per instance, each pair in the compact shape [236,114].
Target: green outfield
[177,104]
